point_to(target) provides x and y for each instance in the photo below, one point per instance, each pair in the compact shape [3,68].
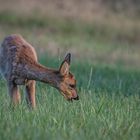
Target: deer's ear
[64,68]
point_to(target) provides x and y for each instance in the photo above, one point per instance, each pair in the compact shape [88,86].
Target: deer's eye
[72,86]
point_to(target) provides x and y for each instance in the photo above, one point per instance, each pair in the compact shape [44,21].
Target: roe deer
[19,66]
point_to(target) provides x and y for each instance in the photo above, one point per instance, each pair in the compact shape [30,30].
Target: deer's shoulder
[15,46]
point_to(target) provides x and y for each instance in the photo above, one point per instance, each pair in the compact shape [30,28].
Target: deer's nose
[76,98]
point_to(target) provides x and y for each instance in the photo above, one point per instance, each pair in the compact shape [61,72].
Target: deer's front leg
[14,93]
[30,93]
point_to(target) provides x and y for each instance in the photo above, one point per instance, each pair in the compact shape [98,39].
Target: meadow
[105,62]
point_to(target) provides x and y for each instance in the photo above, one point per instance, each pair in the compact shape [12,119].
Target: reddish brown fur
[19,66]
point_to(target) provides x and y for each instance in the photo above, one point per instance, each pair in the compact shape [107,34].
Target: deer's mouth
[72,98]
[75,98]
[69,98]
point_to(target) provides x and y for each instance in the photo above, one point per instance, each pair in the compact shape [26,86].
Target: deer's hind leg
[30,93]
[14,93]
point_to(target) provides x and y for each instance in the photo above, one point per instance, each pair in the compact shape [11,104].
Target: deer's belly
[21,81]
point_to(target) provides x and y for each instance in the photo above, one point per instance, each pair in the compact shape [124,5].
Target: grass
[108,108]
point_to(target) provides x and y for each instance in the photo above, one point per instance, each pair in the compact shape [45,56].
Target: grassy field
[105,61]
[108,108]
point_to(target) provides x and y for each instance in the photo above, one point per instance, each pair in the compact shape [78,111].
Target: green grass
[109,108]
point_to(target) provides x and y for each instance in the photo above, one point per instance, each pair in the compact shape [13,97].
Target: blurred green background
[99,31]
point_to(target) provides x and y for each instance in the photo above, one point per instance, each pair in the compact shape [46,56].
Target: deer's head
[67,86]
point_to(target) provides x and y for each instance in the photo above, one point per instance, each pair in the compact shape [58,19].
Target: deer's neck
[41,73]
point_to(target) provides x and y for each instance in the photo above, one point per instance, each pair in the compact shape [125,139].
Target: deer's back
[15,52]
